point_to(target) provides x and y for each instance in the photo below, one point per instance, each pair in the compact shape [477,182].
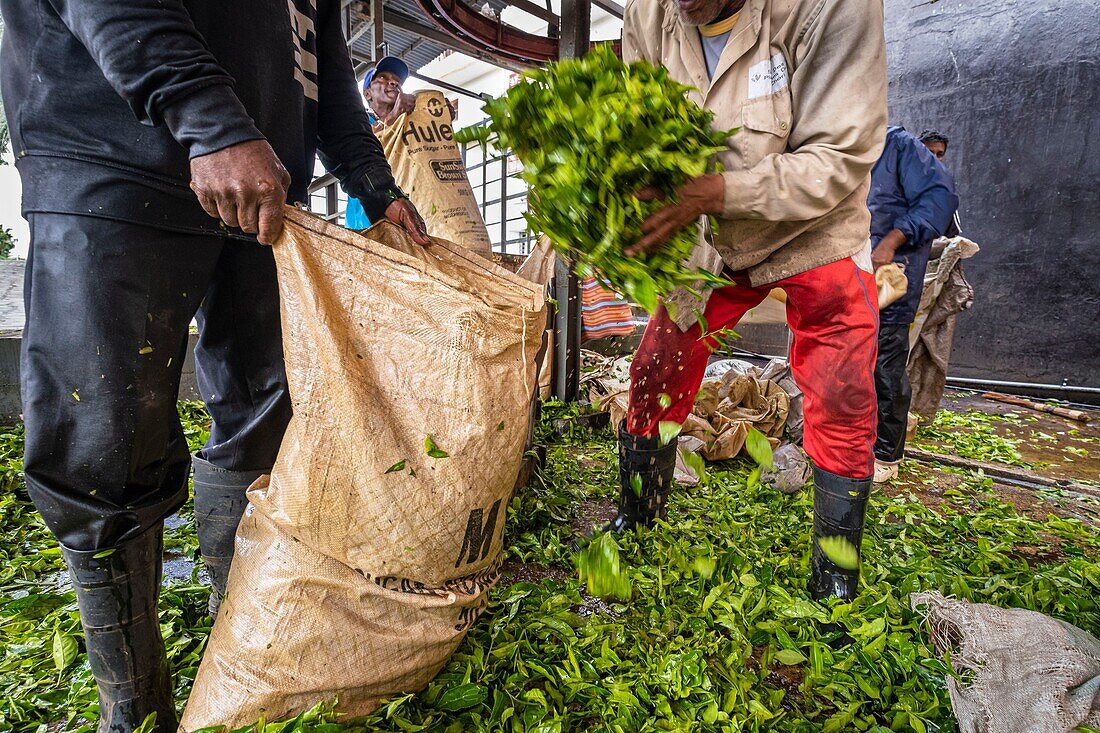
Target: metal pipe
[561,329]
[378,28]
[576,18]
[451,87]
[503,205]
[966,382]
[576,29]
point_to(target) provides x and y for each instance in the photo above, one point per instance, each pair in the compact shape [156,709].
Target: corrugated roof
[413,49]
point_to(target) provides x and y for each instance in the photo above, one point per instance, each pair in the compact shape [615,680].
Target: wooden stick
[1004,473]
[1038,406]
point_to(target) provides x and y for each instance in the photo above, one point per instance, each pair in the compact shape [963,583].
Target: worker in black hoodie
[157,141]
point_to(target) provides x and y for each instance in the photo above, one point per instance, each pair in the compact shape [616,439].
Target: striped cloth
[603,312]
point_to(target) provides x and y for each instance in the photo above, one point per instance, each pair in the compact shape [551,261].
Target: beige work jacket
[805,81]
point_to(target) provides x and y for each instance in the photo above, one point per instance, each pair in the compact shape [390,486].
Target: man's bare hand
[883,253]
[403,213]
[245,186]
[404,103]
[699,196]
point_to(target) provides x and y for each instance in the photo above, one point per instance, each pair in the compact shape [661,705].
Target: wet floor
[179,567]
[1052,447]
[1056,447]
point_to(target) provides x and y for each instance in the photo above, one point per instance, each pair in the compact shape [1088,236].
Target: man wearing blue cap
[385,101]
[382,90]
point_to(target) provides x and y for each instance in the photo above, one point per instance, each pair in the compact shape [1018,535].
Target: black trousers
[892,390]
[108,308]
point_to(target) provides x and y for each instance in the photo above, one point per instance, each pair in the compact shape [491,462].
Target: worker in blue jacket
[912,201]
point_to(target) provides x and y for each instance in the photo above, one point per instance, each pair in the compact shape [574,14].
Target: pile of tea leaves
[719,633]
[591,133]
[972,434]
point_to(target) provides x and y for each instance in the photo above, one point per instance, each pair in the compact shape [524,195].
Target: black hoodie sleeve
[151,54]
[348,147]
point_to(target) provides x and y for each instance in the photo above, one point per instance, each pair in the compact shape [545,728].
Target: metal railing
[500,193]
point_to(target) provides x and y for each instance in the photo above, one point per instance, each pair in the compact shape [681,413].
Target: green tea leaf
[399,466]
[667,432]
[600,569]
[790,657]
[753,478]
[704,566]
[644,292]
[65,650]
[840,551]
[432,449]
[148,725]
[758,447]
[695,462]
[462,697]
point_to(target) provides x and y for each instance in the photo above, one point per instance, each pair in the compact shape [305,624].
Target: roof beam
[503,41]
[413,25]
[610,6]
[496,38]
[536,10]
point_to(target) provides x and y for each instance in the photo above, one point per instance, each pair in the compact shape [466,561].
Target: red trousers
[833,315]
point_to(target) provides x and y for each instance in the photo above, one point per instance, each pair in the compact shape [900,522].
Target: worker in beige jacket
[805,81]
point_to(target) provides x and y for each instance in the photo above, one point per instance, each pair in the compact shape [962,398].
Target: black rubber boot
[645,480]
[116,591]
[220,502]
[839,508]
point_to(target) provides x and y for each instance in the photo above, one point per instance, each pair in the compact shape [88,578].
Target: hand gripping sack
[363,559]
[427,164]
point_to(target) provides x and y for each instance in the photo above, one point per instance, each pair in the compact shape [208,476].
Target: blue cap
[392,64]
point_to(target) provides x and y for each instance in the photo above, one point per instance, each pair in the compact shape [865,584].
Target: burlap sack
[892,284]
[362,562]
[743,401]
[427,165]
[1019,670]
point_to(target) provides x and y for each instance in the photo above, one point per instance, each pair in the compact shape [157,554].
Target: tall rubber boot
[840,505]
[220,502]
[116,592]
[645,480]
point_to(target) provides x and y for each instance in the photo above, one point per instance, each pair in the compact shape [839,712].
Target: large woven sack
[363,560]
[427,164]
[1019,670]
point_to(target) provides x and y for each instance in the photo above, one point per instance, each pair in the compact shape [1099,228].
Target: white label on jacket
[768,76]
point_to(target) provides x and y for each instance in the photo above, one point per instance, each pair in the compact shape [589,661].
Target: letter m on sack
[479,535]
